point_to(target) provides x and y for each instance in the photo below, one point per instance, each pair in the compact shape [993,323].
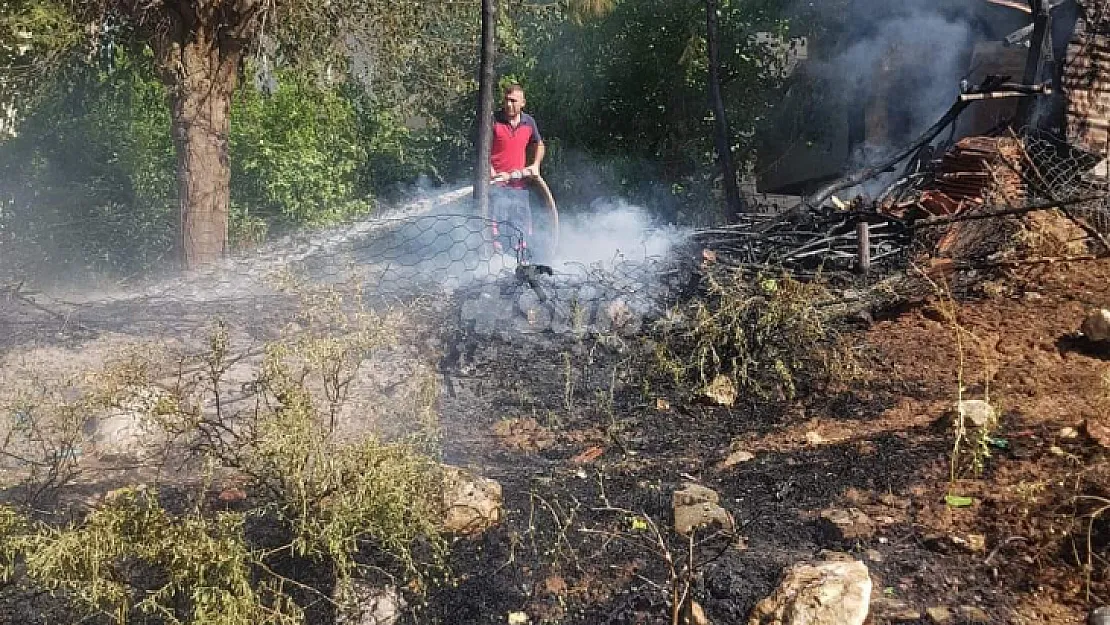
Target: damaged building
[1033,66]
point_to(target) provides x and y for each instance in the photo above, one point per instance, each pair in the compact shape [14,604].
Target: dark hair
[514,88]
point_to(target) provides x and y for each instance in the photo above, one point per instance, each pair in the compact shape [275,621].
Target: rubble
[471,503]
[846,524]
[977,412]
[834,592]
[1096,325]
[696,506]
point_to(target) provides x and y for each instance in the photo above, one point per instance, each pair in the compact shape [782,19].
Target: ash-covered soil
[589,442]
[583,439]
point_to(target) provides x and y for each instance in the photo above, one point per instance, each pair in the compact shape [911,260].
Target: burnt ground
[584,440]
[588,442]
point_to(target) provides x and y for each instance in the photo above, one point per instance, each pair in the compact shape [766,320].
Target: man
[514,131]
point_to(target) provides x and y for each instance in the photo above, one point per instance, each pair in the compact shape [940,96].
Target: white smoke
[613,231]
[914,61]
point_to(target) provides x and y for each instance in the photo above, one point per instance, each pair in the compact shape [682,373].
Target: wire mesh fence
[1057,171]
[430,253]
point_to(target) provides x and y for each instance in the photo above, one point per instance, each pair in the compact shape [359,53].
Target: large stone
[366,604]
[1096,326]
[977,412]
[696,506]
[128,431]
[823,593]
[471,504]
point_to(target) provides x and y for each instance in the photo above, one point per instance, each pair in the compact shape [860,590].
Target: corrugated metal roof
[1086,81]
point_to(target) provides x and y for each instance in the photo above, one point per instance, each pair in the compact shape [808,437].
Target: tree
[722,134]
[199,47]
[486,83]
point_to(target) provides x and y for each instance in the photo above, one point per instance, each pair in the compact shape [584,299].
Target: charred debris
[1015,171]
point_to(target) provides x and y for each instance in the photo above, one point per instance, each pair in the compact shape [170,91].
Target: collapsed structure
[1018,162]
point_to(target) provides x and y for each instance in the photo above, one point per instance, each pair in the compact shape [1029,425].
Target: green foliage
[131,557]
[295,155]
[766,335]
[89,180]
[630,87]
[331,503]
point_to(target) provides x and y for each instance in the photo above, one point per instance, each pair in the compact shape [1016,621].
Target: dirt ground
[589,447]
[584,445]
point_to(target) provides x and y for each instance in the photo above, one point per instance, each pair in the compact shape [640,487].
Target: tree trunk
[201,86]
[722,133]
[485,106]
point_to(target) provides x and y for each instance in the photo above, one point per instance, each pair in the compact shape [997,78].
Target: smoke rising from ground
[613,231]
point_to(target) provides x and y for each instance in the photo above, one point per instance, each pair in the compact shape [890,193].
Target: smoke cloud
[915,62]
[613,231]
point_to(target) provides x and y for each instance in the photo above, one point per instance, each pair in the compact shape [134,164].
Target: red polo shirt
[510,144]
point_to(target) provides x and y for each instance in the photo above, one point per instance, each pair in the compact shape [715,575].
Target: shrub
[764,334]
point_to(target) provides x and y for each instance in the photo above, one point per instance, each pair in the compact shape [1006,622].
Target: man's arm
[537,158]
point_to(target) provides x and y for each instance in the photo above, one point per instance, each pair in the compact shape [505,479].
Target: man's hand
[532,171]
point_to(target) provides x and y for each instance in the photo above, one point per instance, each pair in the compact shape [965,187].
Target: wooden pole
[722,134]
[863,233]
[485,106]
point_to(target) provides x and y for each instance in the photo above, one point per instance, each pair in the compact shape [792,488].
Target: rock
[1068,433]
[722,391]
[976,543]
[940,616]
[695,506]
[873,555]
[696,615]
[824,593]
[977,412]
[471,503]
[128,432]
[1099,616]
[894,611]
[366,604]
[1097,432]
[735,458]
[972,614]
[518,618]
[846,524]
[1096,326]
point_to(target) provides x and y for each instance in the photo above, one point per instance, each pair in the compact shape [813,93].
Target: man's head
[513,103]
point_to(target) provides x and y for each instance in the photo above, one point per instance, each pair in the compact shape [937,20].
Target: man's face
[513,103]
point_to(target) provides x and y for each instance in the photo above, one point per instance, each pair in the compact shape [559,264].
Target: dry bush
[344,507]
[767,335]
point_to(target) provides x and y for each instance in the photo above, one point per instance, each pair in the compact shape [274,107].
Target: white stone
[823,593]
[370,605]
[977,412]
[471,503]
[128,431]
[1096,326]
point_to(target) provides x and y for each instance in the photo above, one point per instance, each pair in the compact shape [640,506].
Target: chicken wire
[444,263]
[1057,171]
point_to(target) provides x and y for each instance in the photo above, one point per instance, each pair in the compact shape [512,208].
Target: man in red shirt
[513,132]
